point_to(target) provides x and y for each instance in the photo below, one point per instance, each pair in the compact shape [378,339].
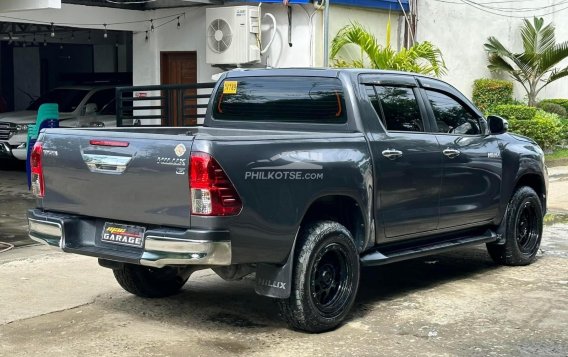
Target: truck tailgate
[119,176]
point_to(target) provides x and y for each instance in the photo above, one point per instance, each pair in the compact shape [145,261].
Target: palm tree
[422,57]
[535,67]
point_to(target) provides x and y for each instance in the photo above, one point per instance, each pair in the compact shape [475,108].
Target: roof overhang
[391,5]
[25,5]
[143,4]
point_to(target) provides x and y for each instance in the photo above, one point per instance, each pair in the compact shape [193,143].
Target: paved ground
[558,189]
[14,201]
[458,304]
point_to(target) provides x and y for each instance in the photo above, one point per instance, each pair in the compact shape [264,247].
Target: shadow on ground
[229,305]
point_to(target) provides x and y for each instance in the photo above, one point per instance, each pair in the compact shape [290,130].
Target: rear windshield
[281,99]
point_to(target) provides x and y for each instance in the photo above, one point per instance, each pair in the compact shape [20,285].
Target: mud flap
[501,229]
[275,280]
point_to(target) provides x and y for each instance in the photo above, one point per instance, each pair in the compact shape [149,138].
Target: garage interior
[35,58]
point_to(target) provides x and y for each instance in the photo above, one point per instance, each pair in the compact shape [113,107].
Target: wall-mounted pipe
[326,34]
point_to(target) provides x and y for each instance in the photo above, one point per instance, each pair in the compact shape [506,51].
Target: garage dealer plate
[132,236]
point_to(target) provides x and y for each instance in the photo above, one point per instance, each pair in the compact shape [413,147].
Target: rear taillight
[38,186]
[212,193]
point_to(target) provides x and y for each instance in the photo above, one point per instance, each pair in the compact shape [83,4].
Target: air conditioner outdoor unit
[232,35]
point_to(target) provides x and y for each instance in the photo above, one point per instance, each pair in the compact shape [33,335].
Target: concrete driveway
[456,304]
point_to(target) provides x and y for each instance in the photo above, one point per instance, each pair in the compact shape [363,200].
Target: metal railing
[162,105]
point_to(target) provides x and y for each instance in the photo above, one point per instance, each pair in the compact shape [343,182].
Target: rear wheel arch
[342,209]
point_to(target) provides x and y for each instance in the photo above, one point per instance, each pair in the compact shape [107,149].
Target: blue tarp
[393,5]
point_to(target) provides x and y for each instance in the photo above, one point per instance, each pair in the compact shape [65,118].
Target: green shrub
[514,111]
[488,93]
[564,124]
[545,128]
[553,108]
[562,102]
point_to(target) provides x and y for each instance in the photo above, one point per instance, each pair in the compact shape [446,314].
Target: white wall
[191,37]
[280,53]
[460,31]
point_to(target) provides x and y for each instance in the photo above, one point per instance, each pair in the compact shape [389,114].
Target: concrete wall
[460,31]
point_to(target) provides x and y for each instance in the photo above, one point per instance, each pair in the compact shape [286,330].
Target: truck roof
[313,72]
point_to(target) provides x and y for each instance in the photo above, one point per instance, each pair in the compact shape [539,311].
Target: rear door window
[397,107]
[281,99]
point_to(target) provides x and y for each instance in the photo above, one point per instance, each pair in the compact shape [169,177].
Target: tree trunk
[532,93]
[532,99]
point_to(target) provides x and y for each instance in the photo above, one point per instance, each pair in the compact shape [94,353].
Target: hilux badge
[180,150]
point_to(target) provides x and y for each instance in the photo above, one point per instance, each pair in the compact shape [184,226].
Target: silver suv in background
[79,106]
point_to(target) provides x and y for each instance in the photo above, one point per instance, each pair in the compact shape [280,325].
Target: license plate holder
[123,234]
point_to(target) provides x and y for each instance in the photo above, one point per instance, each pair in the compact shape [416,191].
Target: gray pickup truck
[300,176]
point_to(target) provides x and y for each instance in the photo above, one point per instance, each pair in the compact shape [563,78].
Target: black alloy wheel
[331,279]
[325,278]
[527,228]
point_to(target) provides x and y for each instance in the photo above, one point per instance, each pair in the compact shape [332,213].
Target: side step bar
[391,255]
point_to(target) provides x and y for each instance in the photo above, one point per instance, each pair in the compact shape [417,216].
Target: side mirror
[497,125]
[90,109]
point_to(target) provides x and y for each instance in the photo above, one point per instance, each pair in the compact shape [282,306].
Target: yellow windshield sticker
[230,87]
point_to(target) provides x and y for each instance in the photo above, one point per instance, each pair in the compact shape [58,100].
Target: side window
[400,110]
[451,116]
[102,98]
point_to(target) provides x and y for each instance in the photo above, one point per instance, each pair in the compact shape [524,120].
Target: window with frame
[397,107]
[452,117]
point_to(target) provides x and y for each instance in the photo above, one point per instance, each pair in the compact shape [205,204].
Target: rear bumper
[162,246]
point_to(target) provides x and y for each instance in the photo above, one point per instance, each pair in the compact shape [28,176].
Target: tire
[325,278]
[150,282]
[523,230]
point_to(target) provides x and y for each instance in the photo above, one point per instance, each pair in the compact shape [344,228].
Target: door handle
[451,153]
[392,154]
